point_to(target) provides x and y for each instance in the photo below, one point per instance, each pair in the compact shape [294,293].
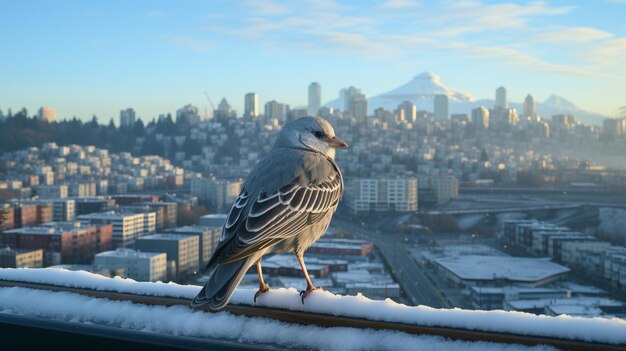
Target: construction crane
[210,102]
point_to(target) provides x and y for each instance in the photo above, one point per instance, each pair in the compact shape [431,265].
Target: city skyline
[84,59]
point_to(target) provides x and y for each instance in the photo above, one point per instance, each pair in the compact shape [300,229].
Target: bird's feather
[282,211]
[285,204]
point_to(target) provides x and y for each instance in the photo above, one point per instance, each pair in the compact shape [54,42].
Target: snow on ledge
[183,321]
[602,330]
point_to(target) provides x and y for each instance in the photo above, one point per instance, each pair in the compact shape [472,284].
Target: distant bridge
[508,209]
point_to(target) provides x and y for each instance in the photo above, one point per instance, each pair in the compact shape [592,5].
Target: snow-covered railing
[182,320]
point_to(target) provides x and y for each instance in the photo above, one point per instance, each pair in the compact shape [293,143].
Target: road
[417,287]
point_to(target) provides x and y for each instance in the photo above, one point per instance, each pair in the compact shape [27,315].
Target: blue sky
[98,57]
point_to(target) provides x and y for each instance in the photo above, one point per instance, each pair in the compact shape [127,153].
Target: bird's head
[313,133]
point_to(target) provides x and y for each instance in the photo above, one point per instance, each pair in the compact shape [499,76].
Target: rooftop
[475,267]
[51,228]
[191,229]
[124,252]
[109,215]
[166,236]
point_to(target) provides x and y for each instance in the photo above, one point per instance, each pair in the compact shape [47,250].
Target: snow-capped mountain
[560,103]
[422,88]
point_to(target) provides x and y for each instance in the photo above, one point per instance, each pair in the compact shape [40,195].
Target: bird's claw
[305,293]
[263,289]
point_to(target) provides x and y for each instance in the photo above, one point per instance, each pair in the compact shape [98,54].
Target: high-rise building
[127,227]
[315,99]
[613,127]
[510,117]
[445,188]
[354,102]
[441,107]
[47,114]
[224,111]
[189,114]
[251,108]
[346,94]
[480,118]
[383,195]
[407,111]
[127,118]
[276,110]
[501,98]
[562,122]
[222,193]
[530,108]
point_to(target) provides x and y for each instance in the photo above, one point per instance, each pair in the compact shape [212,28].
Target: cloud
[357,43]
[522,60]
[189,42]
[398,4]
[457,18]
[513,34]
[609,53]
[574,35]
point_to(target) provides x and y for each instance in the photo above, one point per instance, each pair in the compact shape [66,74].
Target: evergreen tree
[484,157]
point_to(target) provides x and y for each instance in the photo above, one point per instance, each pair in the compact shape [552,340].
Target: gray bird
[285,205]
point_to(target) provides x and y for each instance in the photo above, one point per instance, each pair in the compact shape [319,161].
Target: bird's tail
[223,279]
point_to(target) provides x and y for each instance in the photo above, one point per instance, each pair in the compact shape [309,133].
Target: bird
[285,205]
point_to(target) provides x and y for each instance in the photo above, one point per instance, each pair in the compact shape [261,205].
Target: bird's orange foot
[305,293]
[262,289]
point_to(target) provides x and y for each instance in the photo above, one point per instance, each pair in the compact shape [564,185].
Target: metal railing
[326,320]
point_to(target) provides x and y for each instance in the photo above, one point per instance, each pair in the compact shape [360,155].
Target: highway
[417,287]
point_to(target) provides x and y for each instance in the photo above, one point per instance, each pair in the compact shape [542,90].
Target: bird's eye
[318,134]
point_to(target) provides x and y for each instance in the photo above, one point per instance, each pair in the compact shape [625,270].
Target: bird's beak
[337,142]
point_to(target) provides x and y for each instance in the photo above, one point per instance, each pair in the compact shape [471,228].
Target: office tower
[276,110]
[614,127]
[127,227]
[222,193]
[530,109]
[224,111]
[345,95]
[441,107]
[501,98]
[127,118]
[407,111]
[315,99]
[251,108]
[47,114]
[445,188]
[383,194]
[480,118]
[188,114]
[357,106]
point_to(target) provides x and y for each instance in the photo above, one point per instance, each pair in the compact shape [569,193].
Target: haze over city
[86,58]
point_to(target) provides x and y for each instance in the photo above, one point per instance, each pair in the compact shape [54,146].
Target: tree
[139,128]
[191,147]
[151,146]
[484,157]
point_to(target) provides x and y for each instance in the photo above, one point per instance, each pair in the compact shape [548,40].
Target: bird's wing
[259,220]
